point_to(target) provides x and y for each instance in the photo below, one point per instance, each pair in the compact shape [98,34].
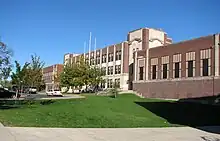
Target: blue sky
[51,28]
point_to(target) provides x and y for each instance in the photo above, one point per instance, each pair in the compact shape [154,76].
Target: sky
[52,28]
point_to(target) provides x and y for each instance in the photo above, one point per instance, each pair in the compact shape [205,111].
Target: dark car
[7,94]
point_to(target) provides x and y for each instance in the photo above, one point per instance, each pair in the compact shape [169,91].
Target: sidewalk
[107,134]
[5,134]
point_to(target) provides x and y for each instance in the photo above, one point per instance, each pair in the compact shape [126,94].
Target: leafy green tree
[5,63]
[19,76]
[34,72]
[80,74]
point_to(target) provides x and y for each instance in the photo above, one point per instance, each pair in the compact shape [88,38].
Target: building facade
[182,70]
[117,60]
[50,76]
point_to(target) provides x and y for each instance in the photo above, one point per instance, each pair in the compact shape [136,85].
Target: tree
[34,72]
[81,74]
[19,76]
[5,63]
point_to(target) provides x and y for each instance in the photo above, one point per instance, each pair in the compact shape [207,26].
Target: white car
[57,93]
[33,90]
[49,92]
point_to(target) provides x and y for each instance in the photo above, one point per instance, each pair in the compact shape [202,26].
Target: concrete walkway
[105,134]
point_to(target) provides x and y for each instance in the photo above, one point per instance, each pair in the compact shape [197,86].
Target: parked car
[32,90]
[7,94]
[55,92]
[49,93]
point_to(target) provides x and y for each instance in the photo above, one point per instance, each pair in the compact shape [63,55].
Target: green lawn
[94,111]
[99,111]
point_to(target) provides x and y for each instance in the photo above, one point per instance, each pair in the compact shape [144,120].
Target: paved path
[107,134]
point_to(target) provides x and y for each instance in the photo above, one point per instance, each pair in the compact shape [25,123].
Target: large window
[177,70]
[190,64]
[110,57]
[117,69]
[141,73]
[165,67]
[104,58]
[205,68]
[117,82]
[154,68]
[205,62]
[98,60]
[165,72]
[103,84]
[109,83]
[177,65]
[92,61]
[110,70]
[154,71]
[190,69]
[103,70]
[118,55]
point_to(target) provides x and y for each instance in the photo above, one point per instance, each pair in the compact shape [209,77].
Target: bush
[114,91]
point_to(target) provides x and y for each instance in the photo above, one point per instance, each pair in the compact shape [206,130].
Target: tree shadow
[6,107]
[191,114]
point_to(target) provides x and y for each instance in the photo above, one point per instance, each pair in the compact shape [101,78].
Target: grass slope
[94,111]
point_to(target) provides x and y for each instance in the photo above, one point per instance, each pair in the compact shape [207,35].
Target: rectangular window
[110,57]
[176,70]
[165,71]
[141,73]
[103,70]
[190,68]
[118,55]
[98,60]
[154,71]
[103,84]
[104,58]
[109,70]
[117,82]
[117,69]
[110,83]
[205,68]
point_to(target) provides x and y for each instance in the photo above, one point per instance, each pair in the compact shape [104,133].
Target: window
[176,70]
[165,72]
[117,69]
[165,67]
[104,58]
[117,82]
[205,68]
[92,61]
[205,62]
[177,65]
[103,70]
[98,60]
[154,68]
[110,70]
[154,72]
[190,68]
[118,55]
[141,73]
[190,64]
[110,83]
[110,57]
[103,84]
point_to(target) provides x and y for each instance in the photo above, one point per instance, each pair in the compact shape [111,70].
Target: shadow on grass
[6,107]
[186,113]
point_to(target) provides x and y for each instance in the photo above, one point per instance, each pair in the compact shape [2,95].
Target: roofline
[187,40]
